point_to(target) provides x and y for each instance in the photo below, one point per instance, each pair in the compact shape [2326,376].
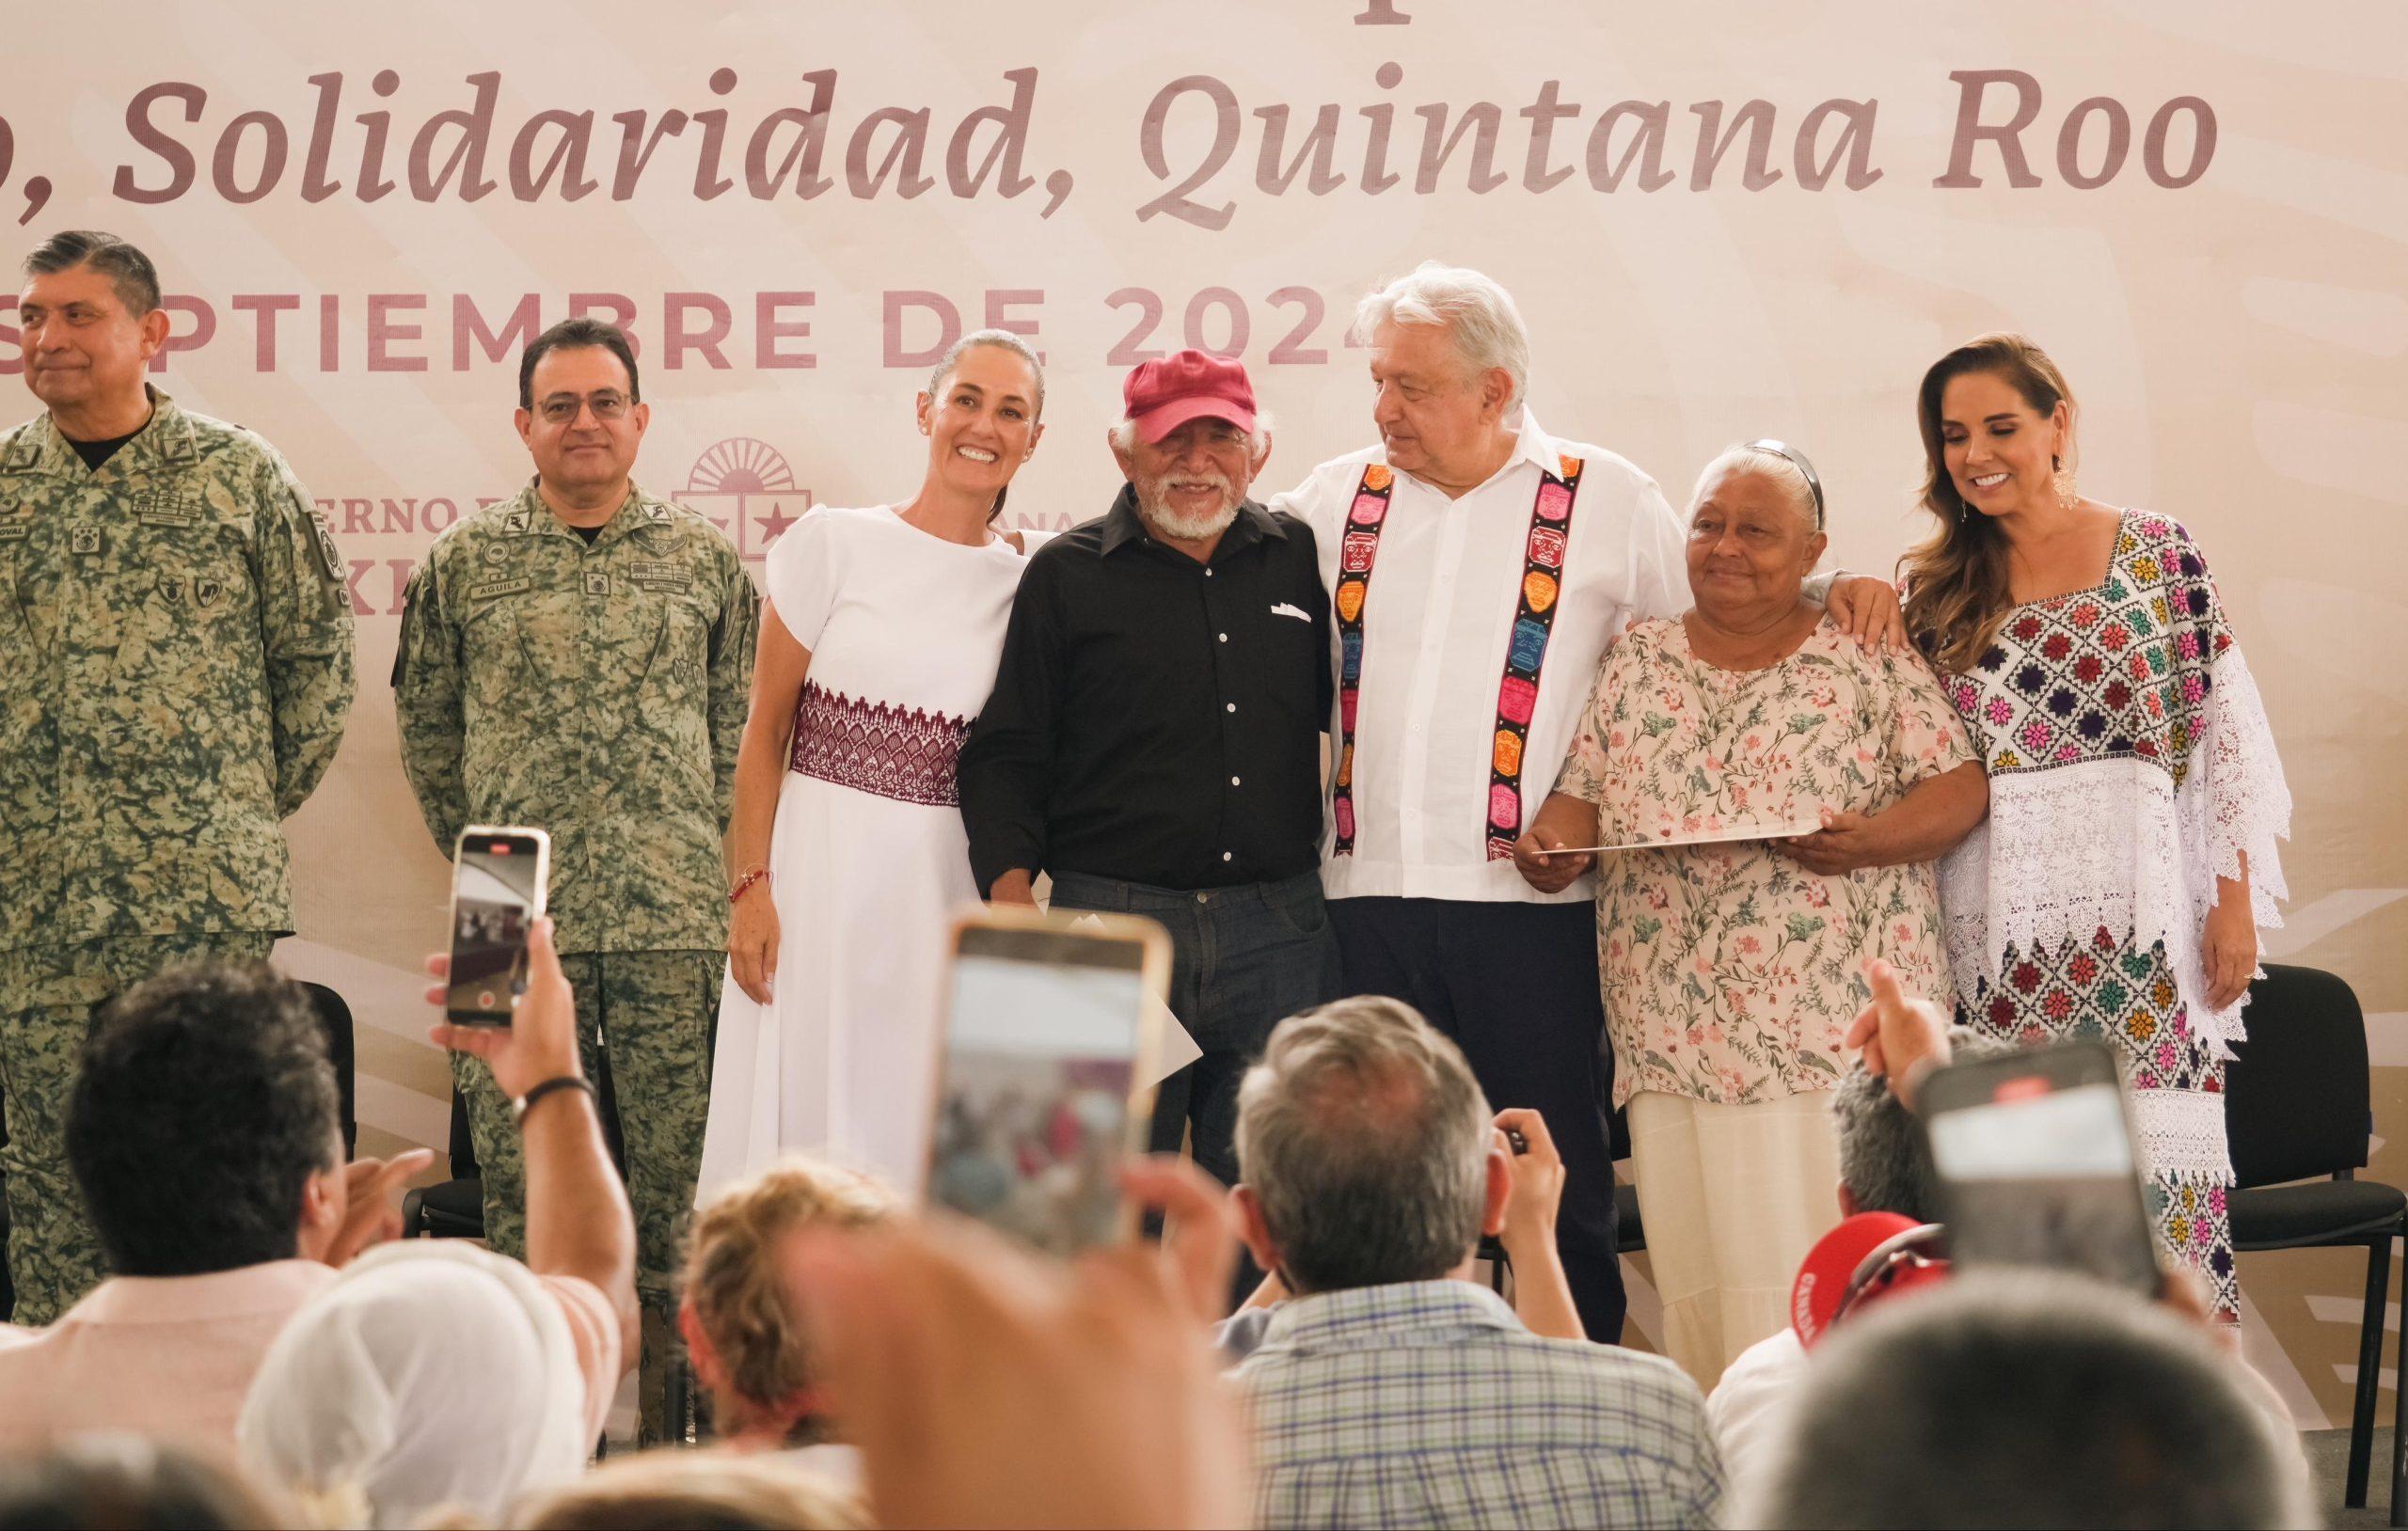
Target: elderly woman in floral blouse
[1788,791]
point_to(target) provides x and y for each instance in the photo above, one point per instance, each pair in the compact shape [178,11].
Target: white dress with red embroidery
[867,859]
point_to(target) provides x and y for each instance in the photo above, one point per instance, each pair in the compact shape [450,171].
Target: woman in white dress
[846,849]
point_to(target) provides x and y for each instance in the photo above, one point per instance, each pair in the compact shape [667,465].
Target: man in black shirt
[1154,737]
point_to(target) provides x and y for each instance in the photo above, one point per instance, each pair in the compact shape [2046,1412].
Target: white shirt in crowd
[1443,598]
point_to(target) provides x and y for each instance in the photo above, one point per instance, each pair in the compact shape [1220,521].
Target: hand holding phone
[541,1042]
[1049,1031]
[499,880]
[2037,1164]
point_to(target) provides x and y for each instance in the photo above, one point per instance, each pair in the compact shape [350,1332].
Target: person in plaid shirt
[1391,1391]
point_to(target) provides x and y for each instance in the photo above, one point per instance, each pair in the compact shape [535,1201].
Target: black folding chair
[334,1015]
[453,1209]
[2298,1108]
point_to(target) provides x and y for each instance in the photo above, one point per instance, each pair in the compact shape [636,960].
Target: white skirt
[842,1062]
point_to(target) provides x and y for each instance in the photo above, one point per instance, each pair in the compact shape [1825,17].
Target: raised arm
[578,1223]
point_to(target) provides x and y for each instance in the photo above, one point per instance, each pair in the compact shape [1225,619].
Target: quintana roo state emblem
[745,487]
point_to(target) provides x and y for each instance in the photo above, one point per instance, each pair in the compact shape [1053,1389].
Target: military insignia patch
[660,576]
[497,587]
[495,553]
[518,522]
[165,508]
[597,582]
[327,554]
[655,510]
[206,591]
[172,587]
[85,541]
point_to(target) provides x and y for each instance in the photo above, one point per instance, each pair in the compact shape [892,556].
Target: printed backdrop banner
[1750,219]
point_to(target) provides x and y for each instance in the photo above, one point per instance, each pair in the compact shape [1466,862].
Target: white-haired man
[1506,558]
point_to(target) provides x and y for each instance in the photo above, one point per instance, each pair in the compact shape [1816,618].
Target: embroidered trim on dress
[2114,842]
[889,751]
[2181,1136]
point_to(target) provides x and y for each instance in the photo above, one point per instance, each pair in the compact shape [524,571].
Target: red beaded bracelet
[759,874]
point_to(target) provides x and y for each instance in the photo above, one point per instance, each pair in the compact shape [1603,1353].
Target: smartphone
[498,877]
[1051,1039]
[2037,1164]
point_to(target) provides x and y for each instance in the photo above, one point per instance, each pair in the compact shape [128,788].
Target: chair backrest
[464,1143]
[335,1016]
[2298,1101]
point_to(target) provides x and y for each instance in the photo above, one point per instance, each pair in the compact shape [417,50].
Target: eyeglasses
[564,408]
[1797,460]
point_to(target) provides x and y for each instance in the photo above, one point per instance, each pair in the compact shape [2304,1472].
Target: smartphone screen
[2037,1164]
[1034,1107]
[497,891]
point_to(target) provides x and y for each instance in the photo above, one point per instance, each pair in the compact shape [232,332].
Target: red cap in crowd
[1162,396]
[1870,1257]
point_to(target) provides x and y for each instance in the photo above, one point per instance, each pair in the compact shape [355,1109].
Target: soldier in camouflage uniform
[175,670]
[578,659]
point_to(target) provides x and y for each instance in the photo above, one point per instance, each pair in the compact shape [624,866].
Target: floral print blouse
[1730,972]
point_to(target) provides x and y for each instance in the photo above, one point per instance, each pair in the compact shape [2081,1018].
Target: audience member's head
[1364,1145]
[204,1127]
[697,1491]
[747,1341]
[431,1375]
[2029,1399]
[128,1483]
[1884,1166]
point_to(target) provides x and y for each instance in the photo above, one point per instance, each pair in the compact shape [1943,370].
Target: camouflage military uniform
[596,692]
[175,670]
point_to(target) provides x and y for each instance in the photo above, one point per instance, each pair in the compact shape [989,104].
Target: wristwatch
[525,1103]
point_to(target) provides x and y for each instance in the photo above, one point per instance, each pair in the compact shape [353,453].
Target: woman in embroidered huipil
[1733,959]
[880,643]
[2135,795]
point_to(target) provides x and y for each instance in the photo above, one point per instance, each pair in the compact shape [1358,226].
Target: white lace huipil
[2131,767]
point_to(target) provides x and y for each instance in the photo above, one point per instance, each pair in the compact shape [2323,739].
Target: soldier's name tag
[499,587]
[656,575]
[14,531]
[84,542]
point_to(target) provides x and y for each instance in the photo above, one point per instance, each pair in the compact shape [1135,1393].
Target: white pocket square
[1284,610]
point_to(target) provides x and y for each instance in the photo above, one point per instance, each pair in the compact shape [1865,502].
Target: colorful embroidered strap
[1518,694]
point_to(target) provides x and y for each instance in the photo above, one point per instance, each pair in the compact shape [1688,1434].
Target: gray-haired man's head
[1884,1166]
[1363,1140]
[2034,1399]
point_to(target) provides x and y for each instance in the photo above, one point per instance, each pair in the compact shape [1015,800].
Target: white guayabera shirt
[1437,624]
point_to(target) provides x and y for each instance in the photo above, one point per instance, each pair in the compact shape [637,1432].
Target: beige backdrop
[2231,312]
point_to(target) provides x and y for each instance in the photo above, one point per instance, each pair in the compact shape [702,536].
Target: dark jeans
[1243,959]
[1515,987]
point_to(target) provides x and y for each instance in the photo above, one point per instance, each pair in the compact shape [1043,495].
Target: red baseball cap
[1162,396]
[1834,1271]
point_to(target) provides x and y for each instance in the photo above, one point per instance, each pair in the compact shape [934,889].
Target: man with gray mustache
[1154,741]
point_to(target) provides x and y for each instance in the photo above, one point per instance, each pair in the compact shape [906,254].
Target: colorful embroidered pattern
[2123,671]
[1518,694]
[2105,990]
[2120,670]
[1526,648]
[896,752]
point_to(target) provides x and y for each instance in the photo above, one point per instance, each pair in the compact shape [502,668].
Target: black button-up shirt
[1156,719]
